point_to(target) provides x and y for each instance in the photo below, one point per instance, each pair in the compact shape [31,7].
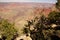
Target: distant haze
[21,12]
[41,1]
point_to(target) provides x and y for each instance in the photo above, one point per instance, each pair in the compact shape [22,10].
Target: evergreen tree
[42,29]
[58,4]
[54,17]
[38,25]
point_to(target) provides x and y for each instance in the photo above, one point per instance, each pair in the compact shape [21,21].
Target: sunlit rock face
[20,12]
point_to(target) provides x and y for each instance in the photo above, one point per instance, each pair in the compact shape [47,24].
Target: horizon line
[28,2]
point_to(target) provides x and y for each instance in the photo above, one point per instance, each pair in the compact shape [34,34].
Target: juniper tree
[38,25]
[42,29]
[58,4]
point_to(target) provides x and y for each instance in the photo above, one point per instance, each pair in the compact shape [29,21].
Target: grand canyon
[19,13]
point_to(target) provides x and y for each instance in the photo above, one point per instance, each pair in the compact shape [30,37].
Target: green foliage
[58,4]
[36,33]
[42,26]
[54,17]
[7,29]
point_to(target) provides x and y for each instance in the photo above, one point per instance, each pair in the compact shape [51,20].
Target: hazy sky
[42,1]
